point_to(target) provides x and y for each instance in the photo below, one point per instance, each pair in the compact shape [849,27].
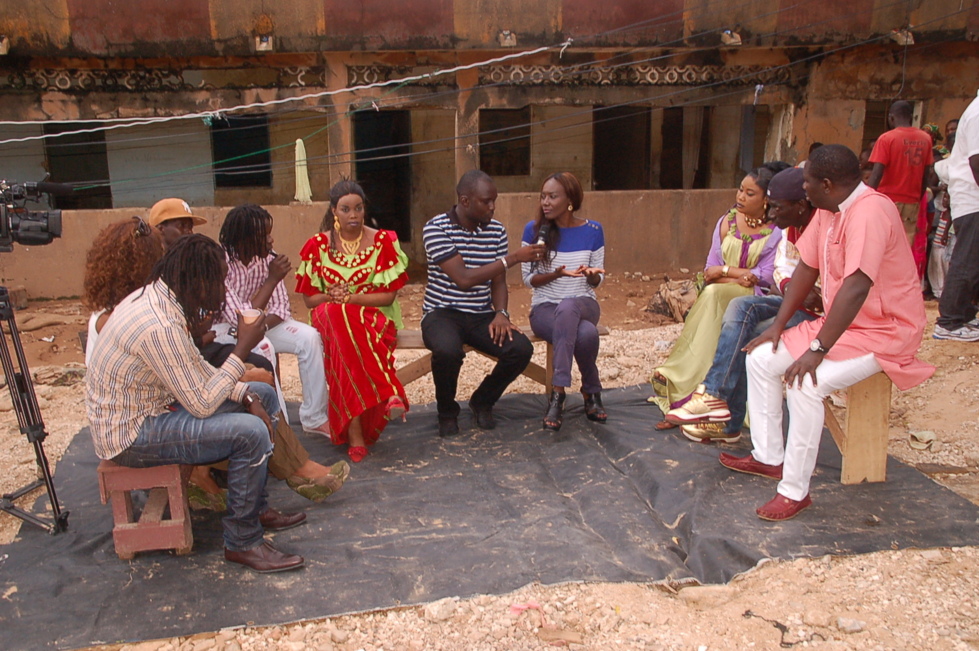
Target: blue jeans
[745,318]
[230,433]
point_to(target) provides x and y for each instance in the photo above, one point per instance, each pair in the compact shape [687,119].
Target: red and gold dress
[358,341]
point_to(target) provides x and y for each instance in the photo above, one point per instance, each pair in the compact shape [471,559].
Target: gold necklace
[754,222]
[350,247]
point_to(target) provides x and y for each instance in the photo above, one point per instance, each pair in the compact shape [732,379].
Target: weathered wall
[145,164]
[227,27]
[652,231]
[432,172]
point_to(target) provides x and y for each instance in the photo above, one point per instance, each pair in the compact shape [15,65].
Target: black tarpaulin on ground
[486,512]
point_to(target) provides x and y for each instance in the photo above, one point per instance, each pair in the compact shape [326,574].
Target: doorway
[382,144]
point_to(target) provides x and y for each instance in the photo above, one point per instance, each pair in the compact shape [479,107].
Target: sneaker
[962,333]
[709,433]
[974,323]
[701,408]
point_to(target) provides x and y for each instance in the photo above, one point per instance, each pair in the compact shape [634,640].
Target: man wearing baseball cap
[174,219]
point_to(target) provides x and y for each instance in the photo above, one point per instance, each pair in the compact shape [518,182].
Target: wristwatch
[504,313]
[817,346]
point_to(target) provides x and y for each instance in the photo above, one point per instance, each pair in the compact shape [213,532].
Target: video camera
[28,227]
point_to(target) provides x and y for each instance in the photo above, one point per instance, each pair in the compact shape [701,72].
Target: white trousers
[798,454]
[304,342]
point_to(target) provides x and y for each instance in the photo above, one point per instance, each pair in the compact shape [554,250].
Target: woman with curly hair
[120,260]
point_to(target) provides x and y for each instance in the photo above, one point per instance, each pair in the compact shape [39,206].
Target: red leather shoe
[395,408]
[750,466]
[782,508]
[273,520]
[356,453]
[265,559]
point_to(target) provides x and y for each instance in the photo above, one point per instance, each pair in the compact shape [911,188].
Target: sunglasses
[142,228]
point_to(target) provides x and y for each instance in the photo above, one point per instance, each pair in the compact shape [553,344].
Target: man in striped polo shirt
[466,300]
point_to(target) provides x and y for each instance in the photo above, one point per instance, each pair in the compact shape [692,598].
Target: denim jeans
[230,433]
[745,318]
[445,331]
[955,307]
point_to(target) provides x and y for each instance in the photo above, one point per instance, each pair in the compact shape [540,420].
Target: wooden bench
[419,368]
[168,487]
[863,443]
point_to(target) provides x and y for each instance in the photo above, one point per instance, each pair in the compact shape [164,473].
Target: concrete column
[725,125]
[467,124]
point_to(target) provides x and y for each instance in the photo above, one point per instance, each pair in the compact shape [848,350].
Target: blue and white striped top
[579,245]
[443,238]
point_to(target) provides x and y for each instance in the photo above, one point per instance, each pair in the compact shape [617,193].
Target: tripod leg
[31,424]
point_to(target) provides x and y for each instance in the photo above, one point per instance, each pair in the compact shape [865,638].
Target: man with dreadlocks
[254,280]
[152,399]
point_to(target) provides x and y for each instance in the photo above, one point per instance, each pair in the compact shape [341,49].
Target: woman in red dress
[349,277]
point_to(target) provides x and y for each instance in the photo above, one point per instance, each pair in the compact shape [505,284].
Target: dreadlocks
[245,232]
[194,270]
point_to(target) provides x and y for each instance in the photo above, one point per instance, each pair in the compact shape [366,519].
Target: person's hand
[338,293]
[501,329]
[748,280]
[529,253]
[805,365]
[208,338]
[771,334]
[256,408]
[249,334]
[592,274]
[280,267]
[814,301]
[713,274]
[257,374]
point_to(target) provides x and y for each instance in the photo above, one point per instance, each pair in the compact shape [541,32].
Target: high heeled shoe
[552,419]
[395,408]
[356,453]
[594,410]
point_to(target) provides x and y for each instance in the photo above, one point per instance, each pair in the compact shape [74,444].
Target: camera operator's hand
[249,334]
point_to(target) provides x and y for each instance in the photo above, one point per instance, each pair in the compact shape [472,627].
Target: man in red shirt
[902,159]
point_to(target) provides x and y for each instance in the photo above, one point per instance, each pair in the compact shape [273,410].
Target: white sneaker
[974,323]
[963,333]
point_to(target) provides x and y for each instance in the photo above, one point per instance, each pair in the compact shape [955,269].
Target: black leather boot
[552,419]
[593,407]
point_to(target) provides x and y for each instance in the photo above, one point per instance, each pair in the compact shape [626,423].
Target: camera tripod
[29,418]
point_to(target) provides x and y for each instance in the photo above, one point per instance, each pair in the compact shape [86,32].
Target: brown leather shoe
[265,559]
[750,466]
[272,520]
[782,508]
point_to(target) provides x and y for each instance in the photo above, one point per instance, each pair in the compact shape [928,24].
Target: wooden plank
[417,369]
[839,436]
[155,505]
[868,409]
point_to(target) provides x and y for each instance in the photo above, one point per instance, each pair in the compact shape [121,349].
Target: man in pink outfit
[874,320]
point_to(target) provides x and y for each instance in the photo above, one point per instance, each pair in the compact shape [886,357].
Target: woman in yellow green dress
[740,262]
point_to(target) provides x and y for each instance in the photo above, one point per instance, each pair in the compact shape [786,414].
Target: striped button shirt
[144,361]
[242,283]
[444,237]
[579,245]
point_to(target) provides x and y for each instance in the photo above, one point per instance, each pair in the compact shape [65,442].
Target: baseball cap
[166,209]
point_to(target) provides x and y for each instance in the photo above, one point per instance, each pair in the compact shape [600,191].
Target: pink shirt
[867,235]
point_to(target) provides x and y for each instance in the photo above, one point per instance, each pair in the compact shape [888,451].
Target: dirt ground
[910,599]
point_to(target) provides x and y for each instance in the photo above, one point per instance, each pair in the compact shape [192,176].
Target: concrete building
[635,97]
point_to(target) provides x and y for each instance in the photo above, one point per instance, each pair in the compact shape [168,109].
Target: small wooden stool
[863,443]
[167,486]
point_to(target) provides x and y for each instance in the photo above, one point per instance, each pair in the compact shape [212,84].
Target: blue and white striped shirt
[444,237]
[579,245]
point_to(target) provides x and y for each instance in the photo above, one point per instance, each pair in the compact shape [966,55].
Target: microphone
[55,189]
[544,231]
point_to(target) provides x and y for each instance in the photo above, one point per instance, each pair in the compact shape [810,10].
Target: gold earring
[336,223]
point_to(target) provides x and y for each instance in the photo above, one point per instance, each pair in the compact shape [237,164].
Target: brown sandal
[663,425]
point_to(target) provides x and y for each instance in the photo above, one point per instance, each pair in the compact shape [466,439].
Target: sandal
[552,419]
[594,410]
[663,425]
[395,408]
[356,453]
